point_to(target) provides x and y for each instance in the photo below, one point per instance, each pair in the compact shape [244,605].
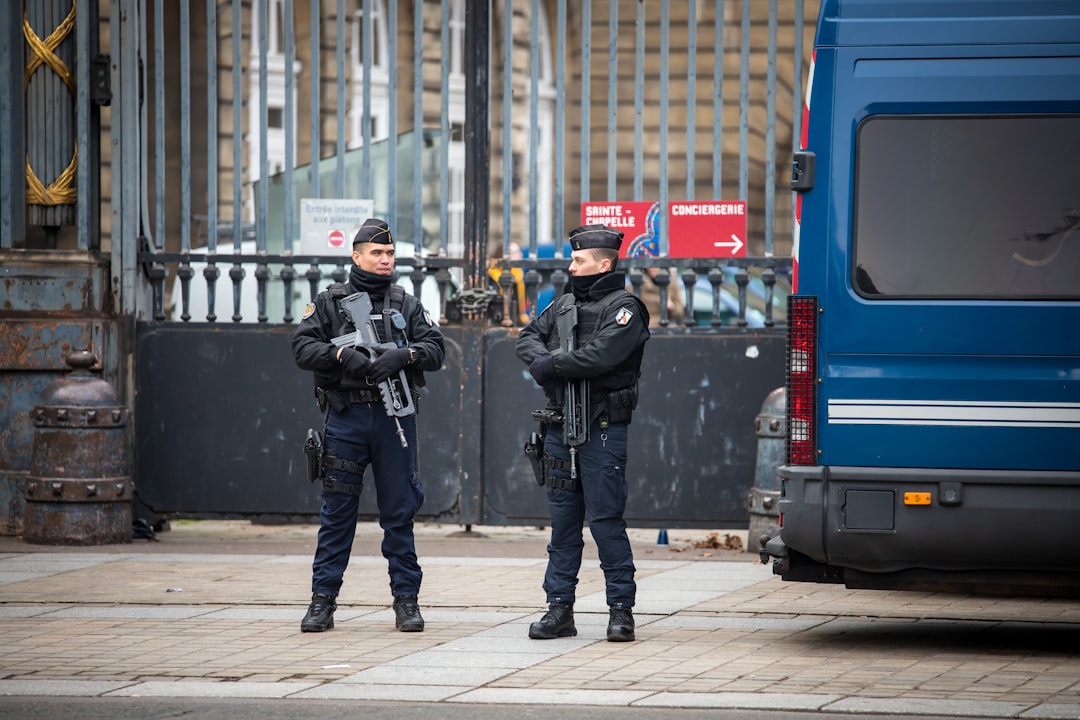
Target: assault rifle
[396,396]
[576,397]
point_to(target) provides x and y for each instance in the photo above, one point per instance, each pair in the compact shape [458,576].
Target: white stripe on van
[973,413]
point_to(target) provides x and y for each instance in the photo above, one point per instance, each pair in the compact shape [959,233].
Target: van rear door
[951,306]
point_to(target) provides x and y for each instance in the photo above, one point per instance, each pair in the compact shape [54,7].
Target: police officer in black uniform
[612,329]
[358,430]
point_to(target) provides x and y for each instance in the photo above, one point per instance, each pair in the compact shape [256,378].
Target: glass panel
[968,207]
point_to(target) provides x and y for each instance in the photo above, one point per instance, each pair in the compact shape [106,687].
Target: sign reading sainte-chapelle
[635,219]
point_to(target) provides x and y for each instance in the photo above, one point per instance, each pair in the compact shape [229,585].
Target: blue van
[933,376]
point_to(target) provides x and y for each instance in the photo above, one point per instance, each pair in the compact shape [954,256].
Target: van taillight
[802,379]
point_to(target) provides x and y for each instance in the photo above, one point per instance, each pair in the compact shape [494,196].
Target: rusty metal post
[771,428]
[79,487]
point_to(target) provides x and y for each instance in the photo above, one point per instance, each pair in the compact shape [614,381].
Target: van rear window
[973,207]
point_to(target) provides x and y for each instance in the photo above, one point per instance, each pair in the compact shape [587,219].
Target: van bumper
[857,524]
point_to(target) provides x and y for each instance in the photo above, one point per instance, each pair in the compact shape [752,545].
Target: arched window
[378,120]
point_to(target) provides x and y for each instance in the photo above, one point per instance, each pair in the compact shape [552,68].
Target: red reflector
[801,380]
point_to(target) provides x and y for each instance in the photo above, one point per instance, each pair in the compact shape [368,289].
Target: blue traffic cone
[661,539]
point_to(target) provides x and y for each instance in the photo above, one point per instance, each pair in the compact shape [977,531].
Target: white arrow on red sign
[735,244]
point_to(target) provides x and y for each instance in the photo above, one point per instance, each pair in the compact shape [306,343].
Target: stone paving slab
[58,688]
[1051,711]
[217,619]
[738,701]
[407,693]
[915,706]
[211,689]
[549,697]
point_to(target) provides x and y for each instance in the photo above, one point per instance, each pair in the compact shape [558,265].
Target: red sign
[638,222]
[707,229]
[335,238]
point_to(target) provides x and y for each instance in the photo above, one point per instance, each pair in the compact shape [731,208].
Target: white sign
[327,225]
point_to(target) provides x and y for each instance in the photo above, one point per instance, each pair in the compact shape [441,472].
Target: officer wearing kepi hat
[584,462]
[358,430]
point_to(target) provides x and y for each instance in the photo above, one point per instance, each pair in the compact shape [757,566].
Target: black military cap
[595,236]
[373,230]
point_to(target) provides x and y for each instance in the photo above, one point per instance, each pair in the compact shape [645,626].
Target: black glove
[388,363]
[542,369]
[553,390]
[354,363]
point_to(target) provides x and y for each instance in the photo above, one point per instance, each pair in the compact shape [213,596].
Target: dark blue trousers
[365,435]
[600,497]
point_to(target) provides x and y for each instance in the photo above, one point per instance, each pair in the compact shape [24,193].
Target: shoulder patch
[308,311]
[427,318]
[624,316]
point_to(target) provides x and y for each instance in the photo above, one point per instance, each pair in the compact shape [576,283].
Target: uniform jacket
[322,321]
[611,340]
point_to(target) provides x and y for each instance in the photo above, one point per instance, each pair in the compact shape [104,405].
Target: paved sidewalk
[212,609]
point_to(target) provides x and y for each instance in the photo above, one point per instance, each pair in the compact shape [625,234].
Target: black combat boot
[620,627]
[407,616]
[320,614]
[557,622]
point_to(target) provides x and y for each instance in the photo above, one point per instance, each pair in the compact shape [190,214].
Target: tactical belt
[362,396]
[329,485]
[333,462]
[556,463]
[566,483]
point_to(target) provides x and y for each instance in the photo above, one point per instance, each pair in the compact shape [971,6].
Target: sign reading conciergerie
[327,225]
[707,228]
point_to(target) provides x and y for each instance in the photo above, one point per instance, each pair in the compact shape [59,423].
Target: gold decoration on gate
[62,190]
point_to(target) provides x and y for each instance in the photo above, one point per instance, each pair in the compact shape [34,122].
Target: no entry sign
[707,228]
[328,225]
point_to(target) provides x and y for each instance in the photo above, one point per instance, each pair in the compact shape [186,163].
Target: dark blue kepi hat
[373,230]
[595,236]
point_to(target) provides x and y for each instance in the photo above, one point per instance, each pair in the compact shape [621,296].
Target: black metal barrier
[221,414]
[692,440]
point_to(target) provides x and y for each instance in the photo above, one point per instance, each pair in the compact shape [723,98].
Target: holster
[331,398]
[313,452]
[534,450]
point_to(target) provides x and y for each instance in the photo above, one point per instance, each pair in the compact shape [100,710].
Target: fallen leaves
[715,542]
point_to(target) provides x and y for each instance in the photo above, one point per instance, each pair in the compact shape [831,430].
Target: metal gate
[478,130]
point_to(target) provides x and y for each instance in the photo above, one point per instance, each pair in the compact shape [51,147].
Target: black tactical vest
[395,299]
[591,315]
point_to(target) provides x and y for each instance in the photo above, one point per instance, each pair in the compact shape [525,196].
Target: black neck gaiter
[373,284]
[582,284]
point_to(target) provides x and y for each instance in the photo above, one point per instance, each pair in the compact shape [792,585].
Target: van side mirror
[802,171]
